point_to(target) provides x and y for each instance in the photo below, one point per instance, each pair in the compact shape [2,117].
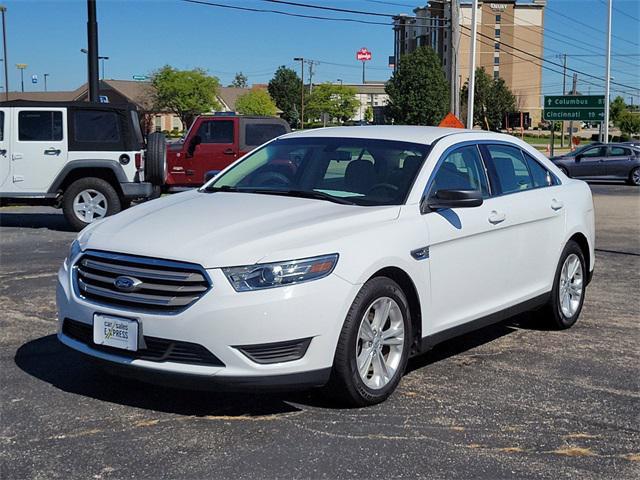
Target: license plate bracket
[117,332]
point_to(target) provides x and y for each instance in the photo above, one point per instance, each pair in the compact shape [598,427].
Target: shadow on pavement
[50,221]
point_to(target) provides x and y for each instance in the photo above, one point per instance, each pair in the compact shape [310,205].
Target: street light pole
[607,75]
[472,64]
[92,55]
[45,81]
[301,60]
[21,67]
[3,9]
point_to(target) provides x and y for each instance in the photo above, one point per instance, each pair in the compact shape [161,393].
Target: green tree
[368,114]
[285,90]
[492,100]
[338,101]
[186,93]
[629,123]
[239,81]
[418,90]
[616,108]
[256,102]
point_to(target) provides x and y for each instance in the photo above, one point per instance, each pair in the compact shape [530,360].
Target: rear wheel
[89,199]
[634,177]
[374,345]
[567,296]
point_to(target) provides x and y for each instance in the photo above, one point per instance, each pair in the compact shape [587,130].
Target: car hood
[229,228]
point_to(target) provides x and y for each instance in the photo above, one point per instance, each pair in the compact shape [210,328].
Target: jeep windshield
[342,170]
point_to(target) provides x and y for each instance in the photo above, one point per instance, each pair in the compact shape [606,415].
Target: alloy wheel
[571,286]
[635,176]
[90,205]
[380,343]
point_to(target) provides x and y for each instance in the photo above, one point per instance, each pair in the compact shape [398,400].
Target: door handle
[52,151]
[16,156]
[496,218]
[556,205]
[229,151]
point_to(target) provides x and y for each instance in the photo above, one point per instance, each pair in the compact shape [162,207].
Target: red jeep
[215,141]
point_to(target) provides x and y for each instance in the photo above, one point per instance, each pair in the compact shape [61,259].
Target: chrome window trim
[156,262]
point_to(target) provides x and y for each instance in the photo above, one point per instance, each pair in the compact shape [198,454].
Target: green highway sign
[574,107]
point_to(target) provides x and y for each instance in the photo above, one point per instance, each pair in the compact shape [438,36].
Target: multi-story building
[510,37]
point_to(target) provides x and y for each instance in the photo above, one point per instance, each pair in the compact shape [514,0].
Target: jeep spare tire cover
[155,163]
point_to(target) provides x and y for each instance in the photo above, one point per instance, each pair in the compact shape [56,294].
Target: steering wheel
[384,186]
[271,179]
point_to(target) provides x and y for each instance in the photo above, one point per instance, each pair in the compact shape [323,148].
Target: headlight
[74,251]
[280,274]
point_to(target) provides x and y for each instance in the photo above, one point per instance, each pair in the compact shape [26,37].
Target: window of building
[157,122]
[497,33]
[496,46]
[496,60]
[498,18]
[39,126]
[175,123]
[496,74]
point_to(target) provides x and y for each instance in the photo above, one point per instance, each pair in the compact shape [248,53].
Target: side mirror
[579,157]
[210,174]
[453,199]
[195,141]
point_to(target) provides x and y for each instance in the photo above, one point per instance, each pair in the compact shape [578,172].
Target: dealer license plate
[115,332]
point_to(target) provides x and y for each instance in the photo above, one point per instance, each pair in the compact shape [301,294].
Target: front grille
[159,285]
[157,349]
[276,352]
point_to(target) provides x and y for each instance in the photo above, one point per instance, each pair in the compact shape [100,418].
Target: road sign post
[363,55]
[589,108]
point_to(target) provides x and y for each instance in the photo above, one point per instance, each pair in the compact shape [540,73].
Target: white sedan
[329,257]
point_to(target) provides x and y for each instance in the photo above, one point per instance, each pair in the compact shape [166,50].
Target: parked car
[611,161]
[213,142]
[86,158]
[331,256]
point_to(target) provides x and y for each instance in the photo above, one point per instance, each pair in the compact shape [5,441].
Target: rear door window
[39,126]
[511,170]
[619,152]
[541,176]
[216,131]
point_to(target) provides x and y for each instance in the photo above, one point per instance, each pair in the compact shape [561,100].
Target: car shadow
[50,221]
[50,361]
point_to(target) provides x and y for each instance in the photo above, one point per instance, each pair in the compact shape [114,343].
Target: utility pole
[21,67]
[311,63]
[92,52]
[573,92]
[472,63]
[3,9]
[607,74]
[564,92]
[301,60]
[45,81]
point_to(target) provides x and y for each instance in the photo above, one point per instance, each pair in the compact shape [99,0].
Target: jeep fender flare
[70,167]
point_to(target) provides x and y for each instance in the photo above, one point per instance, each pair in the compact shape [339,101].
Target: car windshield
[342,170]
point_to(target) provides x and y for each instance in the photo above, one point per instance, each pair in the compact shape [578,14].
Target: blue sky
[142,35]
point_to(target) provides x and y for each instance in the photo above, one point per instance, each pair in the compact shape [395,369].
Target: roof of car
[65,104]
[404,133]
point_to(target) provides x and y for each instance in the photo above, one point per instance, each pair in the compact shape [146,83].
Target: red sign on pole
[363,55]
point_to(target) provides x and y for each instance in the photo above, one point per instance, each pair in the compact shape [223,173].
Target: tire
[155,162]
[346,383]
[89,189]
[634,177]
[558,315]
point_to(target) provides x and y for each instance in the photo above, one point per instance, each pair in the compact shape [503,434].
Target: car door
[217,148]
[5,151]
[530,200]
[468,254]
[618,162]
[590,163]
[38,147]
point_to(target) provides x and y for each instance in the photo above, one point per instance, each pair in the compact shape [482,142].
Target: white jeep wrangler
[86,158]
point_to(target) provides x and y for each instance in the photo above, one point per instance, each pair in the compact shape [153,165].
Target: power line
[391,3]
[626,14]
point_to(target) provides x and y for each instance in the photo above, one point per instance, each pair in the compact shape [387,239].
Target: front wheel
[373,348]
[89,199]
[567,296]
[634,177]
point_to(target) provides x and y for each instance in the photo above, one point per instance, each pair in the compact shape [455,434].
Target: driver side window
[594,152]
[462,169]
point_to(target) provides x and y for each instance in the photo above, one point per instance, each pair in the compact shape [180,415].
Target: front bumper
[224,319]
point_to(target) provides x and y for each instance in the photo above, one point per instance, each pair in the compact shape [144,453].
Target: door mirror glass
[454,199]
[195,141]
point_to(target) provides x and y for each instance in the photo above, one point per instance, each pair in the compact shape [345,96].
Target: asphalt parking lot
[510,401]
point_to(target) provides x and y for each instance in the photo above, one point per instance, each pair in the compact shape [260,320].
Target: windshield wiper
[223,188]
[299,194]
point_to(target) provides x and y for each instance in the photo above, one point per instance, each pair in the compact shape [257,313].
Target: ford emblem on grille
[127,284]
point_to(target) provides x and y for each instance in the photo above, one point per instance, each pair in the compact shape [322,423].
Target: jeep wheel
[89,199]
[155,162]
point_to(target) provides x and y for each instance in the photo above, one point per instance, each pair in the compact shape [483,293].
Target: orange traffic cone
[548,149]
